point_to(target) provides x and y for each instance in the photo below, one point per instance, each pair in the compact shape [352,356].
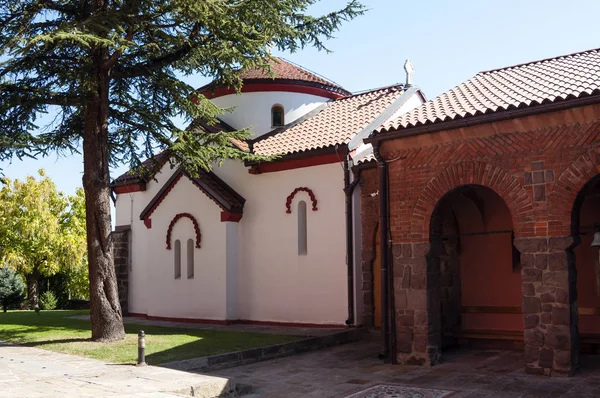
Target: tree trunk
[105,310]
[32,288]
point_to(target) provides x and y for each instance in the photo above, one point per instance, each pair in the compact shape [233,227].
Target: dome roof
[283,73]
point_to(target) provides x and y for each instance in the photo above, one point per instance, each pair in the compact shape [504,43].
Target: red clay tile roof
[151,166]
[285,71]
[145,172]
[539,82]
[335,123]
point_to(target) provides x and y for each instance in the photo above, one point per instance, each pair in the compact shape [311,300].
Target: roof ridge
[369,91]
[538,61]
[309,71]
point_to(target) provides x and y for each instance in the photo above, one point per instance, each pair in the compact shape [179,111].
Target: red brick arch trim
[172,224]
[477,173]
[288,202]
[567,187]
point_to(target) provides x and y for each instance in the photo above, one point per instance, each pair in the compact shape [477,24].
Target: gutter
[349,190]
[383,245]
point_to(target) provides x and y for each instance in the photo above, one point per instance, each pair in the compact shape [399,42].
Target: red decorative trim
[227,216]
[291,324]
[285,87]
[289,164]
[196,229]
[239,322]
[171,184]
[288,202]
[184,320]
[148,222]
[121,228]
[135,187]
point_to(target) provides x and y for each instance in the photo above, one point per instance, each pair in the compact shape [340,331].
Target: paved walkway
[32,373]
[344,370]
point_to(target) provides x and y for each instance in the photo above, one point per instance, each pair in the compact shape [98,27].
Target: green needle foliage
[110,71]
[11,288]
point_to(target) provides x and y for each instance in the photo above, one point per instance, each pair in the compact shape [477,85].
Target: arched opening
[277,116]
[585,295]
[474,276]
[302,229]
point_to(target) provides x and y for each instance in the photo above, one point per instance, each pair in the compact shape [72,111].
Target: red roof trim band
[288,202]
[172,224]
[264,87]
[290,164]
[129,188]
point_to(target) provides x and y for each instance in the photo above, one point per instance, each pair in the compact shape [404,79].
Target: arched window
[177,259]
[190,259]
[277,119]
[302,234]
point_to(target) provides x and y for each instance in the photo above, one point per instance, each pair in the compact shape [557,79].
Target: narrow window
[190,259]
[277,116]
[177,253]
[302,237]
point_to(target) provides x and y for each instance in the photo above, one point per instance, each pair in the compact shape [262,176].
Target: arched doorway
[475,277]
[585,223]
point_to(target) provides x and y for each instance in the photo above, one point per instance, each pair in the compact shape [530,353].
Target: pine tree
[11,288]
[111,70]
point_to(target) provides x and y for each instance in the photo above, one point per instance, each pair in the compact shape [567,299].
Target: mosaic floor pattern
[395,391]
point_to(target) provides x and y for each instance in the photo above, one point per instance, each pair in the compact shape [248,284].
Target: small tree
[42,230]
[11,288]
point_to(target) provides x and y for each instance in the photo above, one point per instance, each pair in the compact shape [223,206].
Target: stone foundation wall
[122,258]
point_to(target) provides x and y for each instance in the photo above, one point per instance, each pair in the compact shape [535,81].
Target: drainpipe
[349,190]
[383,245]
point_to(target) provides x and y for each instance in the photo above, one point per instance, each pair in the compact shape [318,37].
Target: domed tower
[267,102]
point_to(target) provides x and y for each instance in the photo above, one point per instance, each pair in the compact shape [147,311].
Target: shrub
[11,288]
[48,300]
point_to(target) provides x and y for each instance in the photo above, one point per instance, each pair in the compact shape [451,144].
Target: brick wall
[537,165]
[369,208]
[121,253]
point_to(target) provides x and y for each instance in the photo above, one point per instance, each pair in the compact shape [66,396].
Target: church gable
[225,197]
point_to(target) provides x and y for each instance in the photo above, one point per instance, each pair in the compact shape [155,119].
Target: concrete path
[32,373]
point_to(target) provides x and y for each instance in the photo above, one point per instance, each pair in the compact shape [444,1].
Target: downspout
[383,246]
[349,190]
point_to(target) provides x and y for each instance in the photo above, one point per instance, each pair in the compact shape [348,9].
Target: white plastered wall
[153,290]
[275,283]
[254,109]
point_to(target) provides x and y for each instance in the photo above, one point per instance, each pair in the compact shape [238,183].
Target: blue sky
[447,41]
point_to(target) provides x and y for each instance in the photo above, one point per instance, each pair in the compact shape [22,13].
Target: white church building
[272,242]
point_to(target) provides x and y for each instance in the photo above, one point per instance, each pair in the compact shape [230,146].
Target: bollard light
[141,348]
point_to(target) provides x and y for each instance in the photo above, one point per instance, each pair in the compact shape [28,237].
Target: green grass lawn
[55,331]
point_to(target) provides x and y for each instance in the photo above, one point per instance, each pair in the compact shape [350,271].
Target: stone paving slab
[347,369]
[32,373]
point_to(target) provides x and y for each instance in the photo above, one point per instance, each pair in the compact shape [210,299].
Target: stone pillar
[121,254]
[416,284]
[549,305]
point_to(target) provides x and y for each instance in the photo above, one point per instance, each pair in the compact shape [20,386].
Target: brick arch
[568,185]
[194,222]
[476,173]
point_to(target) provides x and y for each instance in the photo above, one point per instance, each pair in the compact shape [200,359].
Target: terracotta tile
[550,80]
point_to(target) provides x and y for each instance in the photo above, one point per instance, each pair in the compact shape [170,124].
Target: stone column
[549,305]
[415,284]
[121,254]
